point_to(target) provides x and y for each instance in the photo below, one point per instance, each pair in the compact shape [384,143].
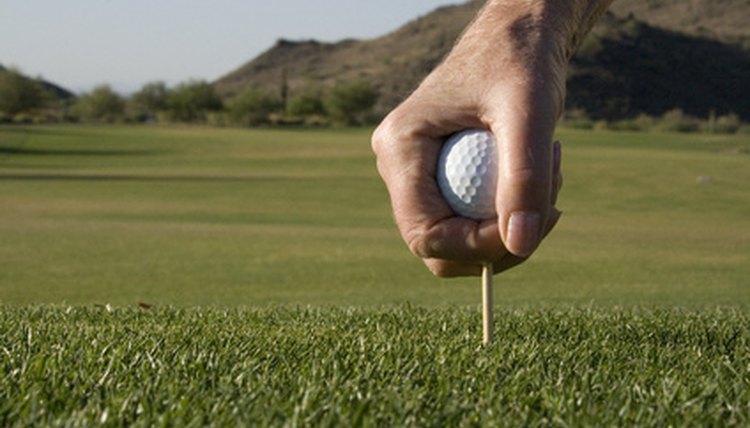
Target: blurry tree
[192,100]
[728,124]
[149,100]
[18,93]
[676,120]
[307,102]
[252,107]
[100,105]
[349,102]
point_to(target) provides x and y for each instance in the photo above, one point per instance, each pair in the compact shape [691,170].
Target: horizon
[126,45]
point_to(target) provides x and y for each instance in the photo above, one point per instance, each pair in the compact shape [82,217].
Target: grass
[364,367]
[190,276]
[193,216]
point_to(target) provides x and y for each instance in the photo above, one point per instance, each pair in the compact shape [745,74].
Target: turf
[398,366]
[191,276]
[194,216]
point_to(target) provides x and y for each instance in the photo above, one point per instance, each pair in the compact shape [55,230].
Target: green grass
[401,366]
[277,290]
[193,216]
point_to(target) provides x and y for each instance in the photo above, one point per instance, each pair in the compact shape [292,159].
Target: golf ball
[467,173]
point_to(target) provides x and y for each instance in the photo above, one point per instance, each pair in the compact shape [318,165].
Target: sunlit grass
[399,366]
[192,276]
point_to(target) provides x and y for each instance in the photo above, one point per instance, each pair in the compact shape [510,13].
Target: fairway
[199,216]
[188,276]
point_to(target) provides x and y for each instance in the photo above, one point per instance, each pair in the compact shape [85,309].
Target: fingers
[407,146]
[451,268]
[450,245]
[526,162]
[407,162]
[502,260]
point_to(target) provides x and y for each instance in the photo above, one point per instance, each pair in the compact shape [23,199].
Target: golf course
[191,276]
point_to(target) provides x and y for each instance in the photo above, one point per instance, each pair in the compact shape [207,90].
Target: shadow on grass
[138,178]
[71,152]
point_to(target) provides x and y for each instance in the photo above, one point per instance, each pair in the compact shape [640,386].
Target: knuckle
[378,138]
[440,269]
[386,133]
[523,174]
[419,244]
[429,240]
[531,182]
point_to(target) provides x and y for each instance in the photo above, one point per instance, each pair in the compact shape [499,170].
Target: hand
[504,75]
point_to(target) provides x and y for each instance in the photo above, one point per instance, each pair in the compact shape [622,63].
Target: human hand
[506,74]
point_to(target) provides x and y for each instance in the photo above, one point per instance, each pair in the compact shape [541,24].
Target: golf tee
[487,316]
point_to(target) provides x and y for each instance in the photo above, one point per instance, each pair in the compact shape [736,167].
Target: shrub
[217,118]
[308,102]
[727,124]
[349,102]
[19,94]
[100,105]
[252,107]
[317,120]
[191,101]
[599,125]
[144,105]
[644,122]
[676,121]
[577,119]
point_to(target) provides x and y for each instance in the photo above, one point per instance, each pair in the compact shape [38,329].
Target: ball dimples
[467,173]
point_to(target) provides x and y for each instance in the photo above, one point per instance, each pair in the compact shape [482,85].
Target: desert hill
[724,20]
[627,67]
[395,63]
[55,90]
[634,61]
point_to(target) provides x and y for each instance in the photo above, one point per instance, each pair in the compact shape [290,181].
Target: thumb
[524,187]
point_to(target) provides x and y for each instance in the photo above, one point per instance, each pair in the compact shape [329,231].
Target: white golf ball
[467,173]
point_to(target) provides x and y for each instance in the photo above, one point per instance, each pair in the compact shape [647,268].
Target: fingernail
[523,232]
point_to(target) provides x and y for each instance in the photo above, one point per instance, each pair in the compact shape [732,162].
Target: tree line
[26,100]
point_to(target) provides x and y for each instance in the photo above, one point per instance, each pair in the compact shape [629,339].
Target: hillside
[635,60]
[54,90]
[724,20]
[626,67]
[395,63]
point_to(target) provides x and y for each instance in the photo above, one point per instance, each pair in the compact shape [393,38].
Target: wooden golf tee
[487,317]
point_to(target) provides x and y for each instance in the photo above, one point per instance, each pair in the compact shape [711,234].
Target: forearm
[533,24]
[511,41]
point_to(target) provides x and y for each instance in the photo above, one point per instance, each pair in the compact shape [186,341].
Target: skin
[507,74]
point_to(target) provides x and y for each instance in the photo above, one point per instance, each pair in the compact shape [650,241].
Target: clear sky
[126,43]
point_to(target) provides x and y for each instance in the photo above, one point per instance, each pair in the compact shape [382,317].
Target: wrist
[537,24]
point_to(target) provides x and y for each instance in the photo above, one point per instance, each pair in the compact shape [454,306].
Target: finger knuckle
[386,133]
[418,242]
[443,269]
[440,270]
[523,174]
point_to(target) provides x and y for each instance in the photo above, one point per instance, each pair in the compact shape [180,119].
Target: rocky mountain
[642,57]
[723,20]
[394,63]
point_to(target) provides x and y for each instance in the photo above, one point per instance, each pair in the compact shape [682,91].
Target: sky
[79,44]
